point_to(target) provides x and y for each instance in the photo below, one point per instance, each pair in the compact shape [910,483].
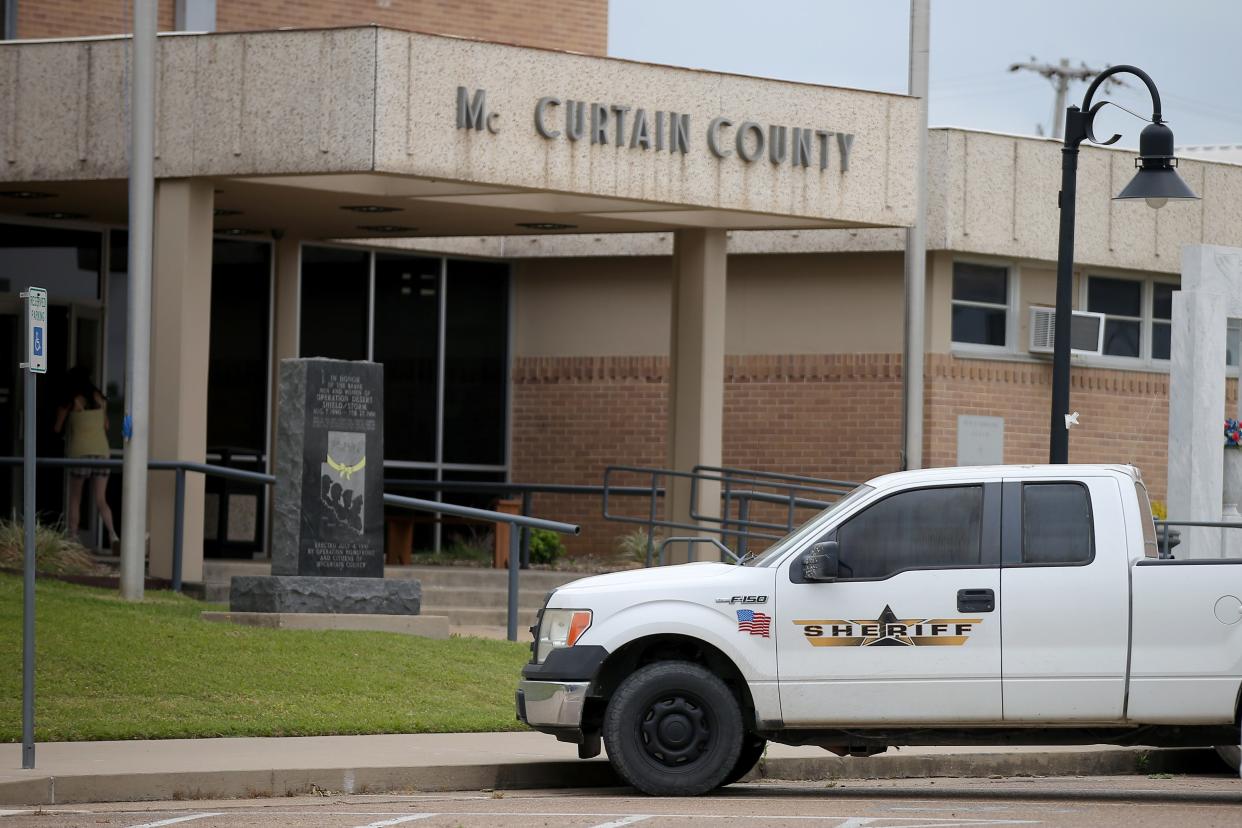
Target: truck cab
[1009,604]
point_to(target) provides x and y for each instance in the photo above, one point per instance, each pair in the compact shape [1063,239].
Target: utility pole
[1060,75]
[916,249]
[138,336]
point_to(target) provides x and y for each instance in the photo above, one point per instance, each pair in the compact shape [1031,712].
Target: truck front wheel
[673,729]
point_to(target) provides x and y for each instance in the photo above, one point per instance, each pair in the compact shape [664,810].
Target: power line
[1060,74]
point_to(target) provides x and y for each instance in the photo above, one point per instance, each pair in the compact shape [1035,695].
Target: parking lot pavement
[1133,802]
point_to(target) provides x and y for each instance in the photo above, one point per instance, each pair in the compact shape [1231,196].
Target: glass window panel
[1162,300]
[1056,524]
[1161,333]
[1233,342]
[915,529]
[982,326]
[66,262]
[1119,297]
[980,283]
[476,356]
[1121,337]
[237,374]
[407,325]
[334,303]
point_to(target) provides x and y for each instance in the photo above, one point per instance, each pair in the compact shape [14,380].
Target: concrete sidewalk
[225,768]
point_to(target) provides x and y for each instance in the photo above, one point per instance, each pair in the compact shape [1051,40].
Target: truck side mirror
[822,562]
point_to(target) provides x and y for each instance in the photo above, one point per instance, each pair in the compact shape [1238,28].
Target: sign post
[36,363]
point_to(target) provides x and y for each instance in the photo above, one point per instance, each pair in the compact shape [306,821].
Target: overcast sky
[1192,49]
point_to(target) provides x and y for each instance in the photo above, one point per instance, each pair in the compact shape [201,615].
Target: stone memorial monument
[328,529]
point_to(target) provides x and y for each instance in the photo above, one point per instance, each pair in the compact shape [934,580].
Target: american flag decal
[755,623]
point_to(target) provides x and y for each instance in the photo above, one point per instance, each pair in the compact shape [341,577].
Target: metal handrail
[180,467]
[1165,551]
[743,528]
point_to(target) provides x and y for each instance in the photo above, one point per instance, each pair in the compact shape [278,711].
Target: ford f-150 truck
[991,605]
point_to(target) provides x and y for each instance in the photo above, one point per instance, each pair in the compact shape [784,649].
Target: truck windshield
[774,551]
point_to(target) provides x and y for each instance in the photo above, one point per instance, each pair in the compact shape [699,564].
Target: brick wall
[835,416]
[1124,415]
[820,415]
[74,18]
[576,25]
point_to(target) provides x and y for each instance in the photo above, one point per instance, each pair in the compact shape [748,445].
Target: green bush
[55,552]
[633,547]
[545,546]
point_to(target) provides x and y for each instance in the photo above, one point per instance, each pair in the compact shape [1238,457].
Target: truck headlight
[560,628]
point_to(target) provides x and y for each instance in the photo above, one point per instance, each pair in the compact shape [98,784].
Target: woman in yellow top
[84,422]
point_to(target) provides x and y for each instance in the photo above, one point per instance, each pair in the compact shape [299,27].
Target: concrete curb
[186,785]
[1109,762]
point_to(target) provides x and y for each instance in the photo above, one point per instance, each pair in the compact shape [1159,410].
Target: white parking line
[629,820]
[397,820]
[175,820]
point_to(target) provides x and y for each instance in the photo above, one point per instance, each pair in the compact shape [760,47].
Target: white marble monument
[1210,294]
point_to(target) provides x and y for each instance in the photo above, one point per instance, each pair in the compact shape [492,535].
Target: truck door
[909,632]
[1065,610]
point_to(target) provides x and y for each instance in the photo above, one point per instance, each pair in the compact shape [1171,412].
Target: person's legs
[99,488]
[75,504]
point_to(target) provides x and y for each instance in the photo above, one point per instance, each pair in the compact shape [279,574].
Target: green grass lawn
[107,669]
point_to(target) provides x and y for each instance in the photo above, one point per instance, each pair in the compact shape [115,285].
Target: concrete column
[180,340]
[1196,410]
[696,373]
[286,320]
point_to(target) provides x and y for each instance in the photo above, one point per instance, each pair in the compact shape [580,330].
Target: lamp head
[1156,181]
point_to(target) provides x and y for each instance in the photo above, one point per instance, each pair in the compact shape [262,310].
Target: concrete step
[472,617]
[441,596]
[445,588]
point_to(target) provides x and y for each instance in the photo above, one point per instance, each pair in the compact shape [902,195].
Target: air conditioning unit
[1086,331]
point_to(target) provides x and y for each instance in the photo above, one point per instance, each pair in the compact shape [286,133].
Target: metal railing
[1162,537]
[526,491]
[738,486]
[181,467]
[495,517]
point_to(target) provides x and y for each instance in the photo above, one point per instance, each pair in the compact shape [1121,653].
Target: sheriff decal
[888,631]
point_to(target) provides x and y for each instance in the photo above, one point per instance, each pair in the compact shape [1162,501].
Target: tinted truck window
[914,530]
[1056,524]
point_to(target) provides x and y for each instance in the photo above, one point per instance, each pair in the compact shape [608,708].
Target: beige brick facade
[572,25]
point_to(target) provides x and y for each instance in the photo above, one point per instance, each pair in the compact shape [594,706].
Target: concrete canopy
[293,126]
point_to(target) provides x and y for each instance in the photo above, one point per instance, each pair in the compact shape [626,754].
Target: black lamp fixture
[1156,182]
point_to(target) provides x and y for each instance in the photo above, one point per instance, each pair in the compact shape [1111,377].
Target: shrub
[545,546]
[633,547]
[55,552]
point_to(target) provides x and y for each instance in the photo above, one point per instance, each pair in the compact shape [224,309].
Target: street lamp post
[1156,182]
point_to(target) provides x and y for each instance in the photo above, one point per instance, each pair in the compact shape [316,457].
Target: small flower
[1233,434]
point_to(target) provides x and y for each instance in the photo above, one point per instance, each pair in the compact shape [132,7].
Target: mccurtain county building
[562,260]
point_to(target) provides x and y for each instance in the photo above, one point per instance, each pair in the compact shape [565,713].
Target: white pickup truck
[993,605]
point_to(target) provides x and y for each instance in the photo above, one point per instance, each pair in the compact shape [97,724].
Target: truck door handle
[976,600]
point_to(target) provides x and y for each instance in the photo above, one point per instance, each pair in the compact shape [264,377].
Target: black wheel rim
[675,730]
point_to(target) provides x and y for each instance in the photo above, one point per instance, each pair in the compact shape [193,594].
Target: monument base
[312,593]
[424,626]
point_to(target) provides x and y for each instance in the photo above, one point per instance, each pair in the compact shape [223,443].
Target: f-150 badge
[888,631]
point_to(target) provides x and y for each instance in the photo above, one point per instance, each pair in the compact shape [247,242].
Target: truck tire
[673,729]
[1232,754]
[752,749]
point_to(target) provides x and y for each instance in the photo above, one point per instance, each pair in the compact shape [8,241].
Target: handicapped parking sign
[36,320]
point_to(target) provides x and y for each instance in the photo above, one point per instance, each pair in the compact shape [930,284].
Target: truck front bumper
[555,705]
